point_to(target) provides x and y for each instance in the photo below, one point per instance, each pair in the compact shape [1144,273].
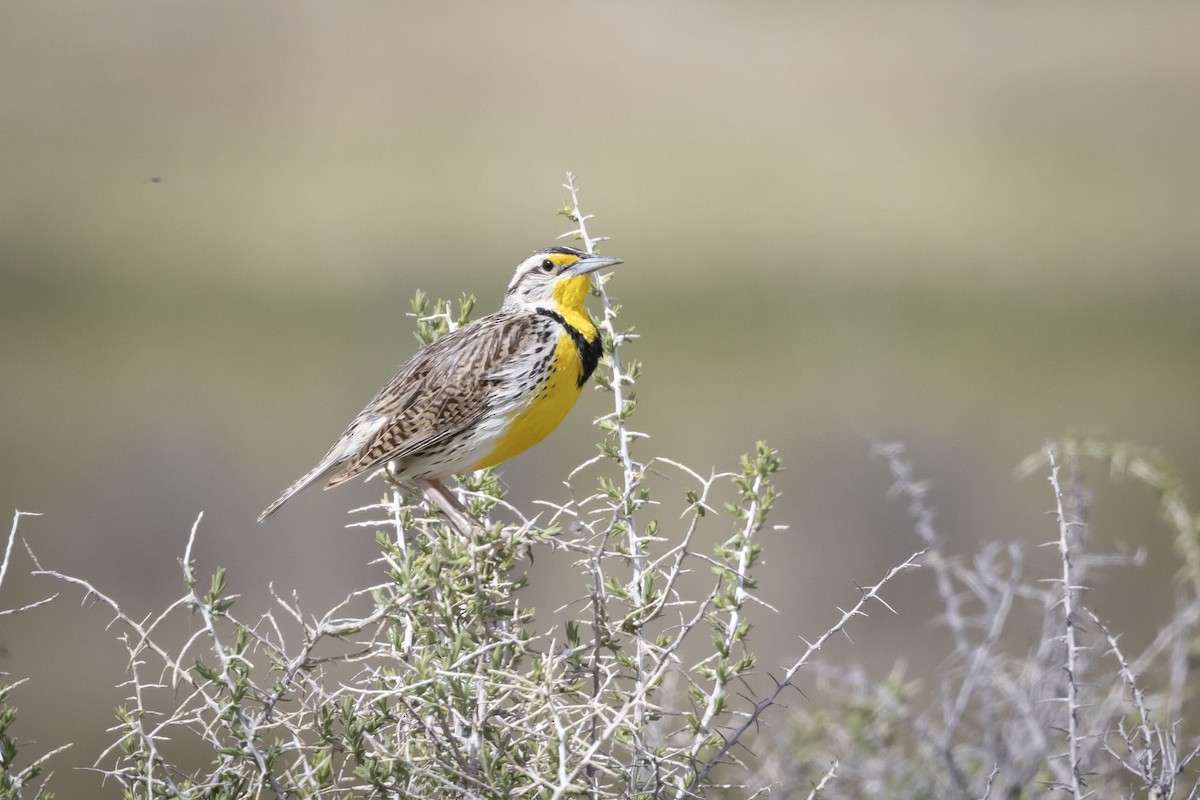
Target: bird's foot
[448,504]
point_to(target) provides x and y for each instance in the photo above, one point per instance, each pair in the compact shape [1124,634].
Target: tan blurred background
[969,227]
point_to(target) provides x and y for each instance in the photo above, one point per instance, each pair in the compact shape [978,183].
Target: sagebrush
[438,682]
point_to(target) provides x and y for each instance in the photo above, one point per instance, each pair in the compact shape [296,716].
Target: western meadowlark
[480,394]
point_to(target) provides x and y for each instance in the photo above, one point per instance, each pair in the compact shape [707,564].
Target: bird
[481,393]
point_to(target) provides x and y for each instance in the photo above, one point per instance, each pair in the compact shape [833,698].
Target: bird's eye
[547,266]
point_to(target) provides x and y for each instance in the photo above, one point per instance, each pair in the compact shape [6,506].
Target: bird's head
[556,278]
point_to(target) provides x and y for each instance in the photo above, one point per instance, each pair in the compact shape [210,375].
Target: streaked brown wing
[439,392]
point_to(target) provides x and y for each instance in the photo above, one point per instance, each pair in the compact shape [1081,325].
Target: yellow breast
[547,406]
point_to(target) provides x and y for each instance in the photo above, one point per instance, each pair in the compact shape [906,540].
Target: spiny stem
[631,471]
[1068,601]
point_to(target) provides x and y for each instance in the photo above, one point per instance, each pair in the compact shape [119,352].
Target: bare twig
[872,593]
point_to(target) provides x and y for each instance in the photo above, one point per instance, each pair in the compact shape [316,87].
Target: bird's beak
[590,263]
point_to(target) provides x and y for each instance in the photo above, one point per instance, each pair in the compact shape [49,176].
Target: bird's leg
[445,500]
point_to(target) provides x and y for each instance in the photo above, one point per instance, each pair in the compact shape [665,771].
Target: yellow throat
[549,404]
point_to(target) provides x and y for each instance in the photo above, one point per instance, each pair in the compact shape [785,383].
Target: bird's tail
[316,473]
[361,431]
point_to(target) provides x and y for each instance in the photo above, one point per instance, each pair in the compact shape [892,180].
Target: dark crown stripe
[562,251]
[590,350]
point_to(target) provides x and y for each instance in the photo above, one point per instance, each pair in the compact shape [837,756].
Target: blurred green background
[966,226]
